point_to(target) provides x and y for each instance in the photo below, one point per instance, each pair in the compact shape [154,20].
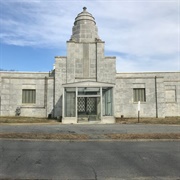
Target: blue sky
[142,34]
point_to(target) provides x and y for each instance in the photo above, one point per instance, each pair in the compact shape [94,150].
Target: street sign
[139,107]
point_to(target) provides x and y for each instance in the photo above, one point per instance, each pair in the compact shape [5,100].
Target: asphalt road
[89,160]
[89,129]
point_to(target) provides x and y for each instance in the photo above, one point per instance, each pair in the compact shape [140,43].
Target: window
[139,94]
[107,101]
[70,102]
[29,96]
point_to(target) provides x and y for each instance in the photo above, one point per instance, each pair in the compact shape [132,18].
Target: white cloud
[144,63]
[147,31]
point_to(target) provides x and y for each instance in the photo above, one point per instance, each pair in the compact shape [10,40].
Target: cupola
[84,29]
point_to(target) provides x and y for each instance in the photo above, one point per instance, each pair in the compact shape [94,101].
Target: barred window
[139,94]
[29,96]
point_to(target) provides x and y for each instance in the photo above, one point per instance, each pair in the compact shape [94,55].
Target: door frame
[88,84]
[90,96]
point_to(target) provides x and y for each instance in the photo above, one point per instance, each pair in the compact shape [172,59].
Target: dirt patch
[144,136]
[20,119]
[167,120]
[43,136]
[86,137]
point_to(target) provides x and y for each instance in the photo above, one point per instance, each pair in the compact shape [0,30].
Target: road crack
[17,159]
[95,173]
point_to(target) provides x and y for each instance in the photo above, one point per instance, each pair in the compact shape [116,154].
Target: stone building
[84,85]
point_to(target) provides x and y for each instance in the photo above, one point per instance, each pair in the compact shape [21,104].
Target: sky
[144,35]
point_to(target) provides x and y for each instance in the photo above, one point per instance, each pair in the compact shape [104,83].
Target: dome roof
[85,17]
[84,29]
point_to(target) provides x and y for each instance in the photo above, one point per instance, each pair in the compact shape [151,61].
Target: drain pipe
[96,61]
[0,105]
[54,91]
[156,97]
[45,93]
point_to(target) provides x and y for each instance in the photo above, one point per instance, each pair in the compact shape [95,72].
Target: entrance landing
[89,122]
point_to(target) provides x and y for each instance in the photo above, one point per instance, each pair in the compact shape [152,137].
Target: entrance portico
[88,102]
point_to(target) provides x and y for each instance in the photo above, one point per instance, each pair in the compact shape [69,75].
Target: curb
[93,140]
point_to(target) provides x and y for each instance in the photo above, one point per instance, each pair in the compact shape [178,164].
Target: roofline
[24,72]
[150,72]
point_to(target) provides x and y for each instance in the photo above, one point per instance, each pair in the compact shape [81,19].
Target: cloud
[147,31]
[145,63]
[30,24]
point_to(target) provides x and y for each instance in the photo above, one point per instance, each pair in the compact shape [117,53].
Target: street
[27,159]
[90,129]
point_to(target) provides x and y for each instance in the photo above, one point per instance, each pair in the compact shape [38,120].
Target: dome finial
[84,8]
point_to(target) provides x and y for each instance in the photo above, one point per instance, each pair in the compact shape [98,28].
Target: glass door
[89,104]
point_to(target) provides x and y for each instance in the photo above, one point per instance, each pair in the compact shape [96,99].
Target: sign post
[139,107]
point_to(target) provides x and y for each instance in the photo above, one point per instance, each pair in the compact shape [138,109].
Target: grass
[86,137]
[167,120]
[19,119]
[44,136]
[144,136]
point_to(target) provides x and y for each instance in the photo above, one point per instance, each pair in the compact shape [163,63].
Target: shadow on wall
[56,112]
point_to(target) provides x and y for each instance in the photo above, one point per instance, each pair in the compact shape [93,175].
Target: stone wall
[60,79]
[12,84]
[81,62]
[86,62]
[168,94]
[49,92]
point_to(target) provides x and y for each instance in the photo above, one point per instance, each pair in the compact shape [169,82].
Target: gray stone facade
[85,86]
[12,84]
[167,88]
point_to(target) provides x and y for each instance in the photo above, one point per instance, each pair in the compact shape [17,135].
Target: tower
[85,78]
